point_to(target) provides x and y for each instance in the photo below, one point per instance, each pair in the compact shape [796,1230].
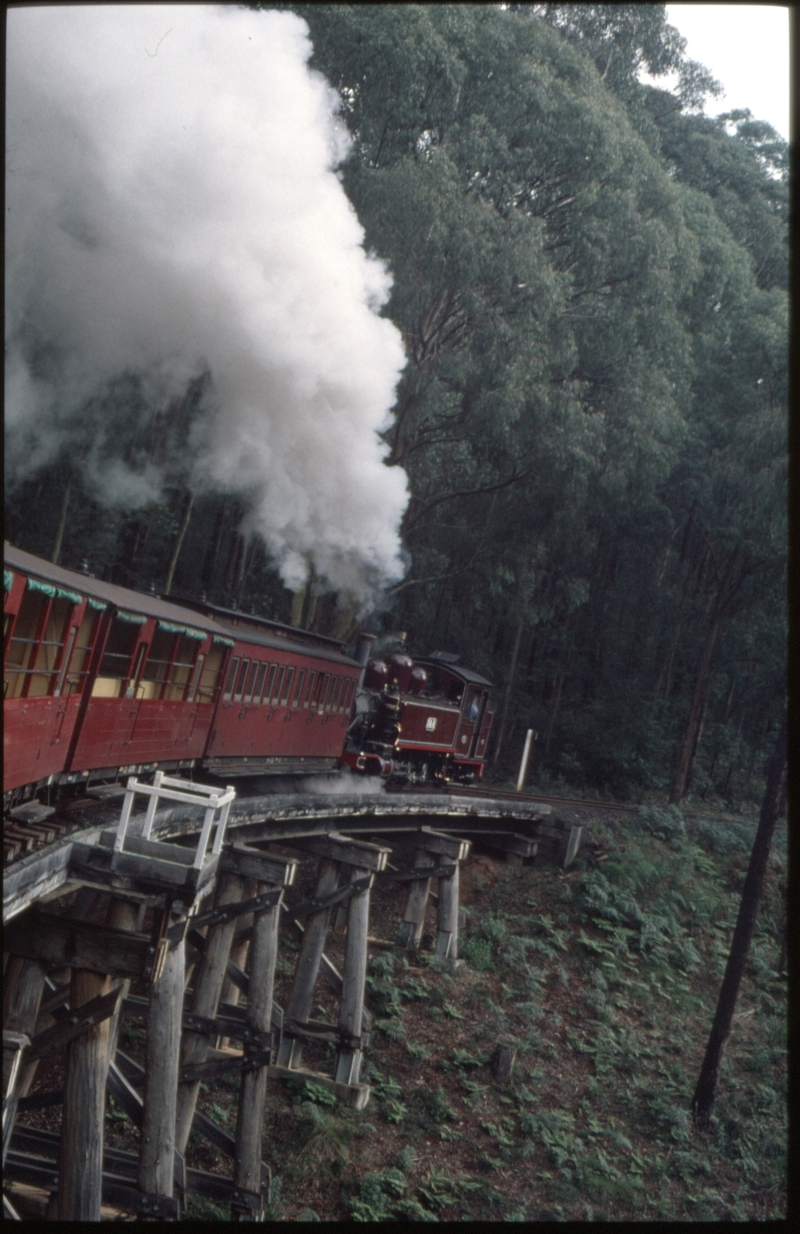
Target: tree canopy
[590,278]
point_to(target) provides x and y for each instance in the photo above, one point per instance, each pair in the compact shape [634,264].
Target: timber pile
[192,944]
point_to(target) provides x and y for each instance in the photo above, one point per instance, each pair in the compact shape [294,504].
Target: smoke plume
[174,221]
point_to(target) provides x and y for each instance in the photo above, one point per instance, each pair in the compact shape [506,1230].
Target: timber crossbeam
[72,1023]
[230,911]
[342,894]
[191,1011]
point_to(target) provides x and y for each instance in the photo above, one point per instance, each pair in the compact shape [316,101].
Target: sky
[746,47]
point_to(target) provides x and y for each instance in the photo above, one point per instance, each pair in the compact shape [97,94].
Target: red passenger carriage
[102,681]
[286,701]
[99,678]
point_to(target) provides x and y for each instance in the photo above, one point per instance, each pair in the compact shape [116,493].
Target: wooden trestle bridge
[186,901]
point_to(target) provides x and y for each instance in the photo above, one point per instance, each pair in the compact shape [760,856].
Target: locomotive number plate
[430,724]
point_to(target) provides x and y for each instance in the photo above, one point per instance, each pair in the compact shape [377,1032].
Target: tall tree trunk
[703,1099]
[176,552]
[554,710]
[665,672]
[438,609]
[209,571]
[235,551]
[512,668]
[696,743]
[242,569]
[62,523]
[695,712]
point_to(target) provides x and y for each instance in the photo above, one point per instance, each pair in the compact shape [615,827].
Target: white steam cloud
[173,211]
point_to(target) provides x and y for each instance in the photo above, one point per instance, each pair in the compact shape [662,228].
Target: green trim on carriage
[136,618]
[56,593]
[226,642]
[187,630]
[8,579]
[63,594]
[100,605]
[34,584]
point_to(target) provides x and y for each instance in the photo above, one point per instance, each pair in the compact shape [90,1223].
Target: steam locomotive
[101,681]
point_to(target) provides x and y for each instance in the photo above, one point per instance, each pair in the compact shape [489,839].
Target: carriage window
[287,687]
[239,691]
[51,646]
[181,668]
[77,670]
[262,672]
[198,668]
[121,641]
[209,678]
[273,668]
[231,677]
[248,694]
[321,691]
[276,693]
[301,676]
[133,680]
[344,698]
[24,641]
[311,681]
[156,670]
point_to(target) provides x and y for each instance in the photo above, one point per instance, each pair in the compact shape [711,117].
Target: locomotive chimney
[363,645]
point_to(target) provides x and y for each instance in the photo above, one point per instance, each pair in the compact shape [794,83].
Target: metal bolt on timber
[308,962]
[157,1147]
[80,1175]
[413,922]
[250,1115]
[230,991]
[208,988]
[348,1060]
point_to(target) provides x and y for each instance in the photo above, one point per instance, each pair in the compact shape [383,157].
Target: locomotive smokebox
[376,675]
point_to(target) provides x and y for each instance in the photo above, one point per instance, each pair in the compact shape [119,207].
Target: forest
[590,277]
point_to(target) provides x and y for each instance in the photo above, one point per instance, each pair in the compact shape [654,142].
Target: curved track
[508,794]
[41,868]
[37,854]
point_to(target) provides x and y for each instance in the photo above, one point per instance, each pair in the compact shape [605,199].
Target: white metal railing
[217,802]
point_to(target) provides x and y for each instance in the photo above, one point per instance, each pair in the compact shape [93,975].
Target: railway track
[22,837]
[508,794]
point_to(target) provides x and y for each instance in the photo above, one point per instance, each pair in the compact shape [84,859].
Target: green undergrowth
[604,980]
